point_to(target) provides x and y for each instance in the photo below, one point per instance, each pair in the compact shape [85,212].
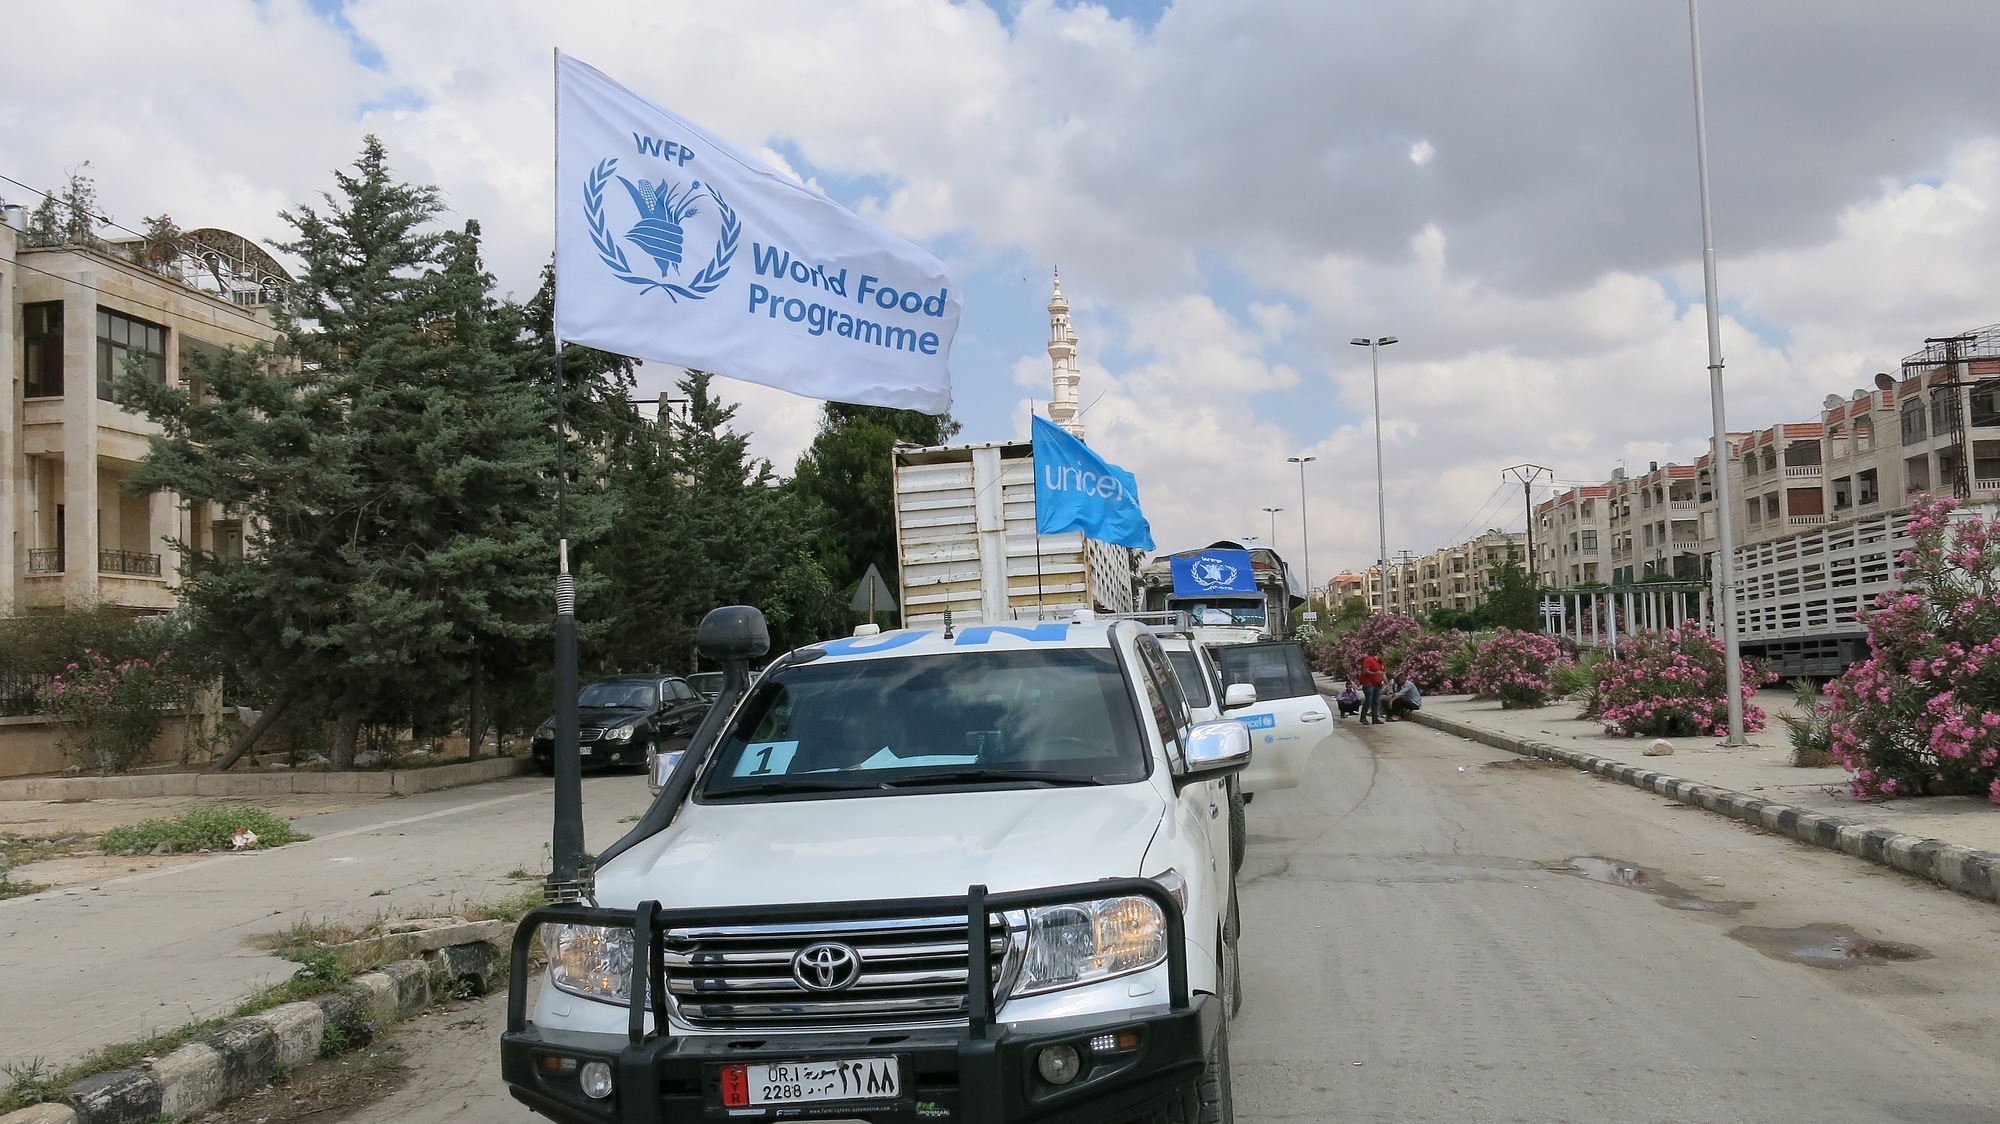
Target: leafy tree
[848,471]
[68,217]
[389,459]
[1444,620]
[1515,603]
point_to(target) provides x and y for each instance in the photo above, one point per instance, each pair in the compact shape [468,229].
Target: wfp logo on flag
[675,246]
[1077,490]
[659,230]
[1212,572]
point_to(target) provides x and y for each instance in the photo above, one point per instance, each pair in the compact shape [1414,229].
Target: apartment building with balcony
[1459,577]
[1947,411]
[73,316]
[1573,535]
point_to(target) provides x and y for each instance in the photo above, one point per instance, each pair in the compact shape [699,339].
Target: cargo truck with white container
[966,543]
[1267,612]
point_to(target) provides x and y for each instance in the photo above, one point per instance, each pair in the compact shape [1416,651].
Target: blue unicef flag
[1212,572]
[1076,490]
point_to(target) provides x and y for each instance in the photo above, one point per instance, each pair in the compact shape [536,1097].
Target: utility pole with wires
[1527,474]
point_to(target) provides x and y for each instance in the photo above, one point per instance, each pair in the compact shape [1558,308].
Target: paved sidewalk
[1762,769]
[132,955]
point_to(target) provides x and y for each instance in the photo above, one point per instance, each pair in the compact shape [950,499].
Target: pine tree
[700,523]
[848,470]
[390,460]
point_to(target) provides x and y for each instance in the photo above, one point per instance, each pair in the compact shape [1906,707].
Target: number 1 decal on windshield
[765,759]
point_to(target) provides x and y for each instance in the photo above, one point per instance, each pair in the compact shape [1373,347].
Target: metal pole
[1732,653]
[1381,504]
[1305,539]
[569,876]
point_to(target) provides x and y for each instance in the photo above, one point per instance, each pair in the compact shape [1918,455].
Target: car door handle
[1313,716]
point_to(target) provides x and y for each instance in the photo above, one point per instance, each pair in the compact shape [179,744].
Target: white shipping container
[966,542]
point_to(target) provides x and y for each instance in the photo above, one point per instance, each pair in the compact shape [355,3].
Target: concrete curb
[1972,872]
[239,1058]
[399,782]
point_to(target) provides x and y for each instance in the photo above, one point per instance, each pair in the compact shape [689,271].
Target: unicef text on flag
[1077,490]
[674,246]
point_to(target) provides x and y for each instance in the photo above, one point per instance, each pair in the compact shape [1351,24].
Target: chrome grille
[913,970]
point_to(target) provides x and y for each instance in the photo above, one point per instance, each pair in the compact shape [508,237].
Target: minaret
[1062,356]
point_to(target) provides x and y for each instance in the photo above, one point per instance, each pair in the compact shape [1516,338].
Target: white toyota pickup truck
[925,875]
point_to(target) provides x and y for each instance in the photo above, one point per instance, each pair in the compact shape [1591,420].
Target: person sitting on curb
[1370,677]
[1348,700]
[1404,699]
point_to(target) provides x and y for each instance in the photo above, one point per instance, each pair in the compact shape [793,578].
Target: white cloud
[1238,185]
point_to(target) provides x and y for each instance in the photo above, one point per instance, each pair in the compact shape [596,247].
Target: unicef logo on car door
[660,223]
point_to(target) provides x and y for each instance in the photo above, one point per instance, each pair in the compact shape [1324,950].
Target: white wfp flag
[673,245]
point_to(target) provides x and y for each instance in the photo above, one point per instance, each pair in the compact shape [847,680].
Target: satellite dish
[1833,402]
[1884,381]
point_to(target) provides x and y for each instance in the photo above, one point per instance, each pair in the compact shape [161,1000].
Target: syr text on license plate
[849,1079]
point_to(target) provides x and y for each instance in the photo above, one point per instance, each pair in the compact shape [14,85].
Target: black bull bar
[650,920]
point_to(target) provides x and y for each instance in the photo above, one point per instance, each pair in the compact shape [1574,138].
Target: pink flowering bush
[1375,636]
[1425,655]
[1921,715]
[1672,684]
[1517,668]
[113,711]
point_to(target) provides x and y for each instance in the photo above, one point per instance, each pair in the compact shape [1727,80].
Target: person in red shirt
[1370,677]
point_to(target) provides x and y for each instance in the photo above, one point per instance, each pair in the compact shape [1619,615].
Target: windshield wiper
[976,776]
[795,784]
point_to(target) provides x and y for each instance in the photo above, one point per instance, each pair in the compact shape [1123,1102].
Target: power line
[107,220]
[1478,514]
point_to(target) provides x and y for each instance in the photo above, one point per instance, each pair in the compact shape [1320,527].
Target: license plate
[781,1083]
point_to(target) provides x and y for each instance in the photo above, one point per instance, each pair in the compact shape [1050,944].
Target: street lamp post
[1305,543]
[1732,655]
[1375,346]
[1273,513]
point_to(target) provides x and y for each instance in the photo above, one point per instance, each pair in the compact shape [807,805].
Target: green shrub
[112,711]
[204,828]
[1810,730]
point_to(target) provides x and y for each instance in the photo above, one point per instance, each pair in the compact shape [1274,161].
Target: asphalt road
[1420,945]
[129,955]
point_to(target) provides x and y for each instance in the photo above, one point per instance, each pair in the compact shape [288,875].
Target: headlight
[546,729]
[619,734]
[591,961]
[1083,942]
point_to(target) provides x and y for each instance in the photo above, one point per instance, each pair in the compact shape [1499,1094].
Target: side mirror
[1238,695]
[733,633]
[1216,749]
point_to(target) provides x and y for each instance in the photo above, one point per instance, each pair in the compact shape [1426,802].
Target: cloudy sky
[1232,190]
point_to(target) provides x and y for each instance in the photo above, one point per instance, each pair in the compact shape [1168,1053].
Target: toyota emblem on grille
[826,966]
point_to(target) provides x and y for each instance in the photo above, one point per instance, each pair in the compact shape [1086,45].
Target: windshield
[1034,717]
[707,682]
[1224,612]
[628,696]
[1187,669]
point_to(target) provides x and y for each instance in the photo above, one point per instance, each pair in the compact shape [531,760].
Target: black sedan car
[626,719]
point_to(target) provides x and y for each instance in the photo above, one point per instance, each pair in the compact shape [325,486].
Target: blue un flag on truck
[1077,490]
